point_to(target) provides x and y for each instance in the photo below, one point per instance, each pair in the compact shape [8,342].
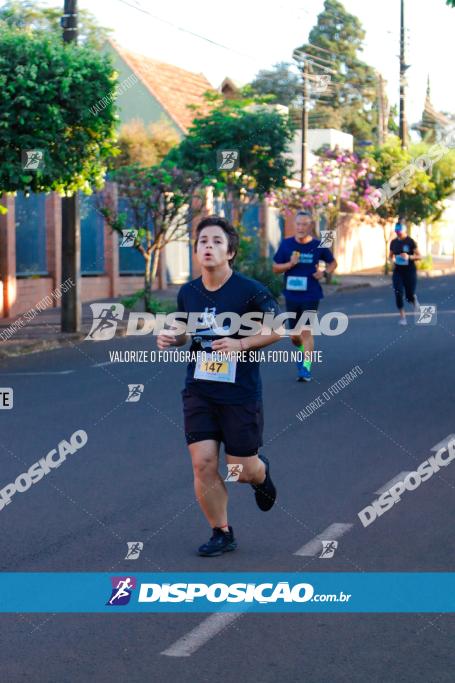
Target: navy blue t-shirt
[407,245]
[239,294]
[299,283]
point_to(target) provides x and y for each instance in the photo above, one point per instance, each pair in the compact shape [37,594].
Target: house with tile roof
[163,91]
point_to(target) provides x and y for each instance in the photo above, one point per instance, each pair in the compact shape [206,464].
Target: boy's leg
[253,471]
[256,472]
[242,428]
[209,487]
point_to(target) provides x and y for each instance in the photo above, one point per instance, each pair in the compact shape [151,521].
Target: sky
[256,35]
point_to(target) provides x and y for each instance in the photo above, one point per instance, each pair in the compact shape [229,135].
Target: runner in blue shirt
[222,402]
[298,258]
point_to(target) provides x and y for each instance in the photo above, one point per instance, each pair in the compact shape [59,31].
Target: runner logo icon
[328,549]
[105,321]
[234,470]
[427,315]
[327,238]
[32,159]
[227,159]
[134,393]
[128,238]
[122,587]
[134,550]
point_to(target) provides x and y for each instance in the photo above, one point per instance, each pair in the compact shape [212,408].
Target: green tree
[47,88]
[30,15]
[261,136]
[144,145]
[248,262]
[279,81]
[430,206]
[160,201]
[334,45]
[416,200]
[393,126]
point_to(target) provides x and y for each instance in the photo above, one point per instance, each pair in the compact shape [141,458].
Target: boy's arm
[257,341]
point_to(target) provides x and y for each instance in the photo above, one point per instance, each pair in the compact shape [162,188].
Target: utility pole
[381,109]
[304,165]
[71,229]
[301,59]
[403,69]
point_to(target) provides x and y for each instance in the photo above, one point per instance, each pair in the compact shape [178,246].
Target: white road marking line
[358,316]
[443,443]
[100,365]
[332,532]
[48,372]
[398,477]
[199,636]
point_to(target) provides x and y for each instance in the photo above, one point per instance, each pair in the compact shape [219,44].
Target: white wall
[178,261]
[316,138]
[359,246]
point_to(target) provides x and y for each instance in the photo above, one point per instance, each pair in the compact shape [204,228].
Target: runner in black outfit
[404,253]
[223,404]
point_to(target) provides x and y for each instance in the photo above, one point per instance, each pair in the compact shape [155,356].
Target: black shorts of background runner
[299,309]
[404,279]
[239,427]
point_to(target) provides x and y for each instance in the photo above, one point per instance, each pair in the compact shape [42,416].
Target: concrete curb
[347,288]
[385,280]
[438,272]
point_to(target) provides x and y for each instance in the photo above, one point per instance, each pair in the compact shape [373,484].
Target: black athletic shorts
[239,427]
[299,309]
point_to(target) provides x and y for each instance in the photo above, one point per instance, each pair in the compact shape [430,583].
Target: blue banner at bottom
[228,592]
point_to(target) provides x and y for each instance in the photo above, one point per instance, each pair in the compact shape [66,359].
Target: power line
[185,30]
[332,88]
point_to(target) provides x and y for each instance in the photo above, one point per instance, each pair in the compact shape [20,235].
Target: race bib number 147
[215,369]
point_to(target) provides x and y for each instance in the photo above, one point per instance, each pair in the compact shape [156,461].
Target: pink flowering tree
[338,183]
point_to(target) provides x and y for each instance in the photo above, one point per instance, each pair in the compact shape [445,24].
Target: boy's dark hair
[227,228]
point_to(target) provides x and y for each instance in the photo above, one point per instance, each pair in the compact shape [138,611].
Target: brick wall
[95,288]
[29,292]
[18,295]
[8,256]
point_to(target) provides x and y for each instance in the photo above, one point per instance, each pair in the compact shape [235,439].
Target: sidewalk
[43,332]
[374,277]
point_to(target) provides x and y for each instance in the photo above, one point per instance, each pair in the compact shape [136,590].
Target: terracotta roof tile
[172,86]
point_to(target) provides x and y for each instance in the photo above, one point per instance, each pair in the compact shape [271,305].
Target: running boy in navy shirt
[222,402]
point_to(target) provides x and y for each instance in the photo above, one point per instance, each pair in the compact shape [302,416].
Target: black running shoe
[221,542]
[265,493]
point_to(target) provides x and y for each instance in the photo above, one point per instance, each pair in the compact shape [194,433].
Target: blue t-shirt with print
[239,294]
[299,283]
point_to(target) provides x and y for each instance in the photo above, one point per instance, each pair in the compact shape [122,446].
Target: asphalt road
[133,482]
